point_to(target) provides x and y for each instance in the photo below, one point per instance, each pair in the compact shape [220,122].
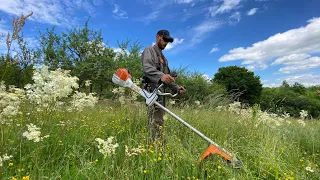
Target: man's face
[161,43]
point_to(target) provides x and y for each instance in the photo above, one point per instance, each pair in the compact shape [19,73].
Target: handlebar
[166,94]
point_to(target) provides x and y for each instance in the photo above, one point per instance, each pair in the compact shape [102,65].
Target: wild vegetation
[65,119]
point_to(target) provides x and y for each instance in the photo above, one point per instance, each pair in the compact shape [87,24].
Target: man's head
[163,38]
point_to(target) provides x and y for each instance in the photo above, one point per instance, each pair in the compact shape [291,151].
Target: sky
[276,39]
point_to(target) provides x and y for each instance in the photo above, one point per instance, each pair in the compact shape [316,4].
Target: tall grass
[71,152]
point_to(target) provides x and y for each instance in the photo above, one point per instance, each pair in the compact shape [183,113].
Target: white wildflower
[33,133]
[50,87]
[285,115]
[122,99]
[9,103]
[115,90]
[309,169]
[134,151]
[134,96]
[81,101]
[107,148]
[301,122]
[87,83]
[219,108]
[5,157]
[172,102]
[303,114]
[197,103]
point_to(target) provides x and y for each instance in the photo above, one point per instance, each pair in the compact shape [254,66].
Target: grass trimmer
[122,78]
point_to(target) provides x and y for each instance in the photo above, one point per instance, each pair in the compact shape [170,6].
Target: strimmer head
[211,150]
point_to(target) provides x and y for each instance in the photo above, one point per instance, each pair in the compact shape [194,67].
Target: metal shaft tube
[192,128]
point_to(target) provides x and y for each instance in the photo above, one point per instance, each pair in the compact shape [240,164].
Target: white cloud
[291,59]
[119,13]
[252,11]
[60,12]
[234,18]
[307,79]
[149,18]
[206,77]
[297,62]
[174,43]
[295,41]
[190,12]
[156,5]
[257,66]
[185,1]
[215,49]
[226,6]
[200,32]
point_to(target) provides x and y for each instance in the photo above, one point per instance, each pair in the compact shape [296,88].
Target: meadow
[51,131]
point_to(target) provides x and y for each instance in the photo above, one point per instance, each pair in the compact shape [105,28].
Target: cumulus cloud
[175,43]
[172,45]
[297,62]
[252,11]
[307,79]
[295,41]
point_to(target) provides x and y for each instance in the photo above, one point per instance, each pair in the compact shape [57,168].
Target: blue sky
[276,39]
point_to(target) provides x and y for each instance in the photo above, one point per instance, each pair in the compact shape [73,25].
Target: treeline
[83,51]
[292,99]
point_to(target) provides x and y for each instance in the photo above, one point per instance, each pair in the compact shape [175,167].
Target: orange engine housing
[123,74]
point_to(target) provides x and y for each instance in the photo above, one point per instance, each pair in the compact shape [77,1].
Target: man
[156,72]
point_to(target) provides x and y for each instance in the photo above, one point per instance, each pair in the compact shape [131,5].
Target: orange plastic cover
[214,150]
[123,74]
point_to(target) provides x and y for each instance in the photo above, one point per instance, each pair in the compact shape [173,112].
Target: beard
[162,47]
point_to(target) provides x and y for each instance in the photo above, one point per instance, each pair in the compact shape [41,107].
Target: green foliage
[291,99]
[199,88]
[240,80]
[83,51]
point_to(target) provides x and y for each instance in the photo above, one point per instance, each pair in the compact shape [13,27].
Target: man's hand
[167,79]
[181,89]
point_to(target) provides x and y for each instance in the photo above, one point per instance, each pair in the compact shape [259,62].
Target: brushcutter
[122,78]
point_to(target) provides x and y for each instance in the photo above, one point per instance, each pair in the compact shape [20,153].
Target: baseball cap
[166,35]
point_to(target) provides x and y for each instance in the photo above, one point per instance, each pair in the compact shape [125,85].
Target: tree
[299,88]
[240,80]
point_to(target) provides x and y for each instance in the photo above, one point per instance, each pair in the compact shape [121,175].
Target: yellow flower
[96,160]
[145,171]
[25,177]
[159,158]
[10,164]
[219,167]
[13,178]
